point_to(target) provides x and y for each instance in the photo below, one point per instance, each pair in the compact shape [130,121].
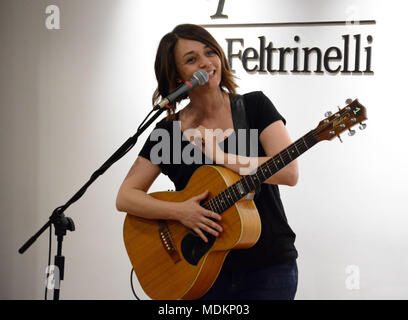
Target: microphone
[199,78]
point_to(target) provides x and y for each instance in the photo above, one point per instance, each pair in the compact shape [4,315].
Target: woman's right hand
[194,216]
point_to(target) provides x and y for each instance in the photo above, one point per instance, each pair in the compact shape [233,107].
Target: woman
[268,270]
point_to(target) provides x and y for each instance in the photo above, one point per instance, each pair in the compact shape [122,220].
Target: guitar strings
[310,137]
[299,144]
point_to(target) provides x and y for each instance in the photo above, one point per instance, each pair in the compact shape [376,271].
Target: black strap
[239,115]
[239,119]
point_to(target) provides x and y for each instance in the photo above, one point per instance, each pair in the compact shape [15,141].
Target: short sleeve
[154,148]
[261,111]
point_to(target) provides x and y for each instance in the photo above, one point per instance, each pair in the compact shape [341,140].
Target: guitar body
[170,261]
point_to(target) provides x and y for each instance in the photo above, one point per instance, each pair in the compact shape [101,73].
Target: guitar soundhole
[194,248]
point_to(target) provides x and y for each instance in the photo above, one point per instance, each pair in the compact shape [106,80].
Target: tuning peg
[340,138]
[351,132]
[328,114]
[349,100]
[362,126]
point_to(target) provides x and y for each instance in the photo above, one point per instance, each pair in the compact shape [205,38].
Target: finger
[201,235]
[213,225]
[202,195]
[209,230]
[213,215]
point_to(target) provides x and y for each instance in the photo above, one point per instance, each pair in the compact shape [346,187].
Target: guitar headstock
[335,124]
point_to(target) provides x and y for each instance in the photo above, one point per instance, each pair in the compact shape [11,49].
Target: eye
[210,52]
[191,60]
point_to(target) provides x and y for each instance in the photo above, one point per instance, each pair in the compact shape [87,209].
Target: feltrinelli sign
[352,54]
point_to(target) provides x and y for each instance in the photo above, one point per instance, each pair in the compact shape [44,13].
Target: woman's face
[191,55]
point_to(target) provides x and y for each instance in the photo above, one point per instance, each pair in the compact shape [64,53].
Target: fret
[267,165]
[217,201]
[241,189]
[279,154]
[255,180]
[234,193]
[226,199]
[294,152]
[229,197]
[273,160]
[222,202]
[278,162]
[297,149]
[246,184]
[217,209]
[303,138]
[258,176]
[252,181]
[263,170]
[288,154]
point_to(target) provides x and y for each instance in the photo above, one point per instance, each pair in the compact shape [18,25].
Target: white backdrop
[70,97]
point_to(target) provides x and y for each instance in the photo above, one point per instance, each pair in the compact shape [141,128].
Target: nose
[205,62]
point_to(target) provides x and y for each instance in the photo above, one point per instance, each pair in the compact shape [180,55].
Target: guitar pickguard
[194,248]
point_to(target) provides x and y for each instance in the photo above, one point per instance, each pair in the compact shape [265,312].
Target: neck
[206,105]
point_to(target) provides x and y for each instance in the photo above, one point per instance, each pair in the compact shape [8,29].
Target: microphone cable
[131,284]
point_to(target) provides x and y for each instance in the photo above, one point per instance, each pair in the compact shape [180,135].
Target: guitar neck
[248,183]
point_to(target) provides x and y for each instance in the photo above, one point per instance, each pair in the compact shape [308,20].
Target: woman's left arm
[274,138]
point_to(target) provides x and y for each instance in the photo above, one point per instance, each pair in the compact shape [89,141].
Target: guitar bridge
[167,242]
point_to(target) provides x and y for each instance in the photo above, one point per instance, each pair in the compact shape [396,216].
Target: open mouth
[211,73]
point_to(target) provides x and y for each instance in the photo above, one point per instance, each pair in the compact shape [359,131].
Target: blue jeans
[277,282]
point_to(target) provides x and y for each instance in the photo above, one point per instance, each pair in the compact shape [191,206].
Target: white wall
[70,97]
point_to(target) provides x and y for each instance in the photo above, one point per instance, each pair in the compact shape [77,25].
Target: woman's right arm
[133,199]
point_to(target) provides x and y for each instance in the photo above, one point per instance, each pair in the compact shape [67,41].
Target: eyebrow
[192,51]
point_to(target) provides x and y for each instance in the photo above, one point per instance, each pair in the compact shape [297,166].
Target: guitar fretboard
[248,183]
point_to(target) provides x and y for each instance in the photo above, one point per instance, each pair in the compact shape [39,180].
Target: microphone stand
[62,223]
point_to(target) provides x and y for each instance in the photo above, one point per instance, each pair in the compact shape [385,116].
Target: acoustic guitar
[171,261]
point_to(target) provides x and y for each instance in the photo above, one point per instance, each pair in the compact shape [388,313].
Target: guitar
[171,261]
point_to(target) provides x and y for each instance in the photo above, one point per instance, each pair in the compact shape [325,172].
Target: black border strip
[291,24]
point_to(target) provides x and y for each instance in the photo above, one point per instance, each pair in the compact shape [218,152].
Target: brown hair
[165,65]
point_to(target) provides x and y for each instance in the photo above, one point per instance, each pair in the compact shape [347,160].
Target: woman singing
[268,270]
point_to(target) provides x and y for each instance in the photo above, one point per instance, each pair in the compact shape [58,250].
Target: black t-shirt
[178,159]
